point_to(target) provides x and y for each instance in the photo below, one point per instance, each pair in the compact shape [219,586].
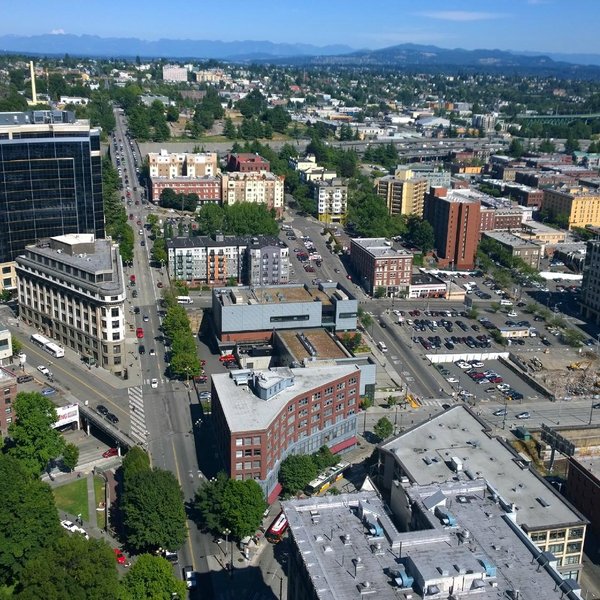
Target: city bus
[184,300]
[327,478]
[277,529]
[47,345]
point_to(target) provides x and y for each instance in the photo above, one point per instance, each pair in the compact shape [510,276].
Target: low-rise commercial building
[257,188]
[310,171]
[457,447]
[261,417]
[8,279]
[331,198]
[72,289]
[259,260]
[528,251]
[458,543]
[254,313]
[6,349]
[377,264]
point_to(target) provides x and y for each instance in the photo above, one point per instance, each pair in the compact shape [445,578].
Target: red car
[139,333]
[227,357]
[119,556]
[110,452]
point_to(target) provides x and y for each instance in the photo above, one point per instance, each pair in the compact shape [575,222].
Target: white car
[451,379]
[190,577]
[68,525]
[154,383]
[43,370]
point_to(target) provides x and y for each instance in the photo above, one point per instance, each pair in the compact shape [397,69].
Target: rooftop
[203,241]
[245,411]
[350,548]
[381,248]
[510,239]
[425,451]
[7,377]
[280,294]
[301,344]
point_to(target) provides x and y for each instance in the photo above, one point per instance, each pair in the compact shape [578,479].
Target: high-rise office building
[50,179]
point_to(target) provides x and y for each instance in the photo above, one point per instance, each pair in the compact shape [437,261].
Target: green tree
[72,567]
[547,146]
[28,517]
[229,130]
[159,251]
[516,149]
[252,104]
[172,114]
[380,292]
[383,428]
[34,441]
[136,461]
[296,472]
[226,503]
[324,458]
[153,511]
[152,577]
[16,344]
[495,306]
[70,456]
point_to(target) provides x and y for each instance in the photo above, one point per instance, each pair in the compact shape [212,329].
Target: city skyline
[517,25]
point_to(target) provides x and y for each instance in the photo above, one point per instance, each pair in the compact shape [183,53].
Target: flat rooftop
[323,344]
[510,239]
[7,377]
[281,294]
[424,453]
[244,411]
[381,248]
[341,552]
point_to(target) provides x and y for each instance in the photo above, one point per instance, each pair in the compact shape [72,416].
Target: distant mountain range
[92,45]
[403,56]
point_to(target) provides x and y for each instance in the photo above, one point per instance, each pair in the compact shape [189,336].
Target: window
[559,534]
[247,452]
[238,466]
[238,454]
[239,442]
[576,533]
[573,547]
[556,548]
[247,441]
[571,560]
[303,402]
[329,391]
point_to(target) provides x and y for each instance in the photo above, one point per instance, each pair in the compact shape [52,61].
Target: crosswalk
[136,410]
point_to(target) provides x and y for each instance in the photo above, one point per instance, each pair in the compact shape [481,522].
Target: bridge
[558,119]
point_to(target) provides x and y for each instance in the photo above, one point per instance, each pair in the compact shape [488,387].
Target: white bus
[184,300]
[47,345]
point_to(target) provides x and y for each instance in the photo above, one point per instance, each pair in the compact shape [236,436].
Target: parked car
[119,556]
[110,452]
[24,378]
[44,370]
[501,412]
[112,418]
[48,391]
[101,409]
[189,576]
[523,415]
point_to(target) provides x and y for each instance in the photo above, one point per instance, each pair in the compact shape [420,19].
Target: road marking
[137,417]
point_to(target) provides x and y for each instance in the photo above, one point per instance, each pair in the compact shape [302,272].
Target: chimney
[33,92]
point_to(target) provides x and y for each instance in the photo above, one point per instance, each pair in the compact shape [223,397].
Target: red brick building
[207,188]
[456,221]
[377,264]
[247,163]
[525,195]
[8,388]
[260,417]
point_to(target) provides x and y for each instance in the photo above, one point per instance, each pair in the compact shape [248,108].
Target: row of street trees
[183,362]
[240,219]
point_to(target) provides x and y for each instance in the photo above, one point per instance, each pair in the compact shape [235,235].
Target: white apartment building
[72,289]
[174,73]
[331,198]
[257,188]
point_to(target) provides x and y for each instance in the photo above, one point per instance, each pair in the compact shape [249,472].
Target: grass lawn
[72,498]
[99,492]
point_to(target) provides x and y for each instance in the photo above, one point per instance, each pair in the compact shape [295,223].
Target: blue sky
[568,26]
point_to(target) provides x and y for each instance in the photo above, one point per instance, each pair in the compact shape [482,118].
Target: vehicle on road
[523,415]
[119,556]
[152,352]
[154,383]
[141,349]
[44,370]
[112,418]
[139,332]
[101,409]
[205,395]
[146,318]
[47,345]
[110,452]
[502,412]
[382,346]
[184,300]
[189,576]
[24,378]
[277,529]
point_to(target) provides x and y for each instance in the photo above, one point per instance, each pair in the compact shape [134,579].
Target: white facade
[174,73]
[332,200]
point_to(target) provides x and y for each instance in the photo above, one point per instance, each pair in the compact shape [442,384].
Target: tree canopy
[28,517]
[152,577]
[238,219]
[71,567]
[226,503]
[153,511]
[383,428]
[33,440]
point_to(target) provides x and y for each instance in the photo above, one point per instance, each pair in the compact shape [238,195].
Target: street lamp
[226,533]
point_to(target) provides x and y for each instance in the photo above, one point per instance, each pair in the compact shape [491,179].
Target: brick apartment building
[525,195]
[247,163]
[258,188]
[456,221]
[8,388]
[208,189]
[583,489]
[377,263]
[262,416]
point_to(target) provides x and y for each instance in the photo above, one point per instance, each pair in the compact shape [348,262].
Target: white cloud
[461,15]
[58,32]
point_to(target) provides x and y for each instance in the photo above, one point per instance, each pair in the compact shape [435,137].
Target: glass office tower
[50,179]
